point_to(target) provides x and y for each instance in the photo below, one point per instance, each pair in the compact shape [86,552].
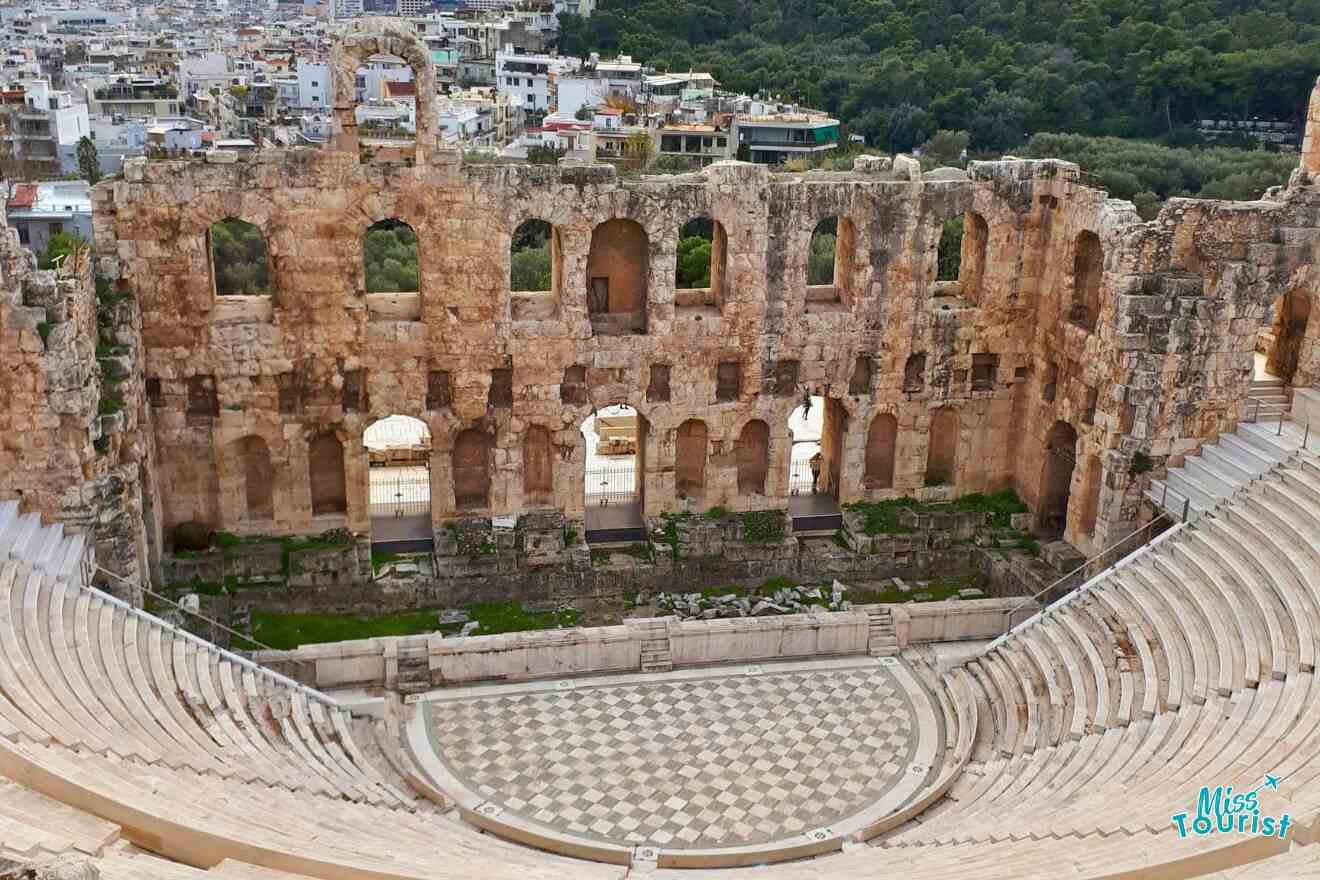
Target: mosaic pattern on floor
[723,761]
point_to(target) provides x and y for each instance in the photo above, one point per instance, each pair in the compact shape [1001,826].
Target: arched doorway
[615,440]
[881,442]
[618,266]
[690,447]
[816,427]
[258,479]
[942,451]
[1282,341]
[1056,470]
[399,474]
[753,453]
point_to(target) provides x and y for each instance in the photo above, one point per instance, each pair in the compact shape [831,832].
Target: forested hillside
[898,70]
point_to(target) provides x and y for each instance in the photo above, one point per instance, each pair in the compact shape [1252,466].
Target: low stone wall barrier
[598,650]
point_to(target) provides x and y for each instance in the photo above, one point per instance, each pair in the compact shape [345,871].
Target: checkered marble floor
[722,760]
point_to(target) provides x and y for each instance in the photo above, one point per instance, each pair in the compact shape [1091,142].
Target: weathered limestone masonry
[1079,348]
[70,449]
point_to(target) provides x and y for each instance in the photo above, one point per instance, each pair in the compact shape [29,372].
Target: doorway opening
[1056,480]
[1279,345]
[615,439]
[399,474]
[816,428]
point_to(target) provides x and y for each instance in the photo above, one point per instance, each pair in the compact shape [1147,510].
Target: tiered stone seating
[1191,663]
[1068,745]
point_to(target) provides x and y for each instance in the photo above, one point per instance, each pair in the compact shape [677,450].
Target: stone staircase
[414,667]
[1268,399]
[1225,467]
[881,640]
[656,656]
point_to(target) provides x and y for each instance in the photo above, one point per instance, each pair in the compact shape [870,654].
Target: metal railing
[400,491]
[614,483]
[1124,551]
[256,668]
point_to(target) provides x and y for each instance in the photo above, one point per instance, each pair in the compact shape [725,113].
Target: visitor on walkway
[816,461]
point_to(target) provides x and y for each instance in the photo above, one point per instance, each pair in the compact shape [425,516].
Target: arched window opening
[258,478]
[948,257]
[881,443]
[618,267]
[753,455]
[914,373]
[1060,455]
[535,270]
[399,477]
[391,271]
[240,260]
[699,265]
[538,465]
[1088,270]
[972,261]
[830,264]
[615,440]
[471,465]
[942,452]
[690,447]
[325,462]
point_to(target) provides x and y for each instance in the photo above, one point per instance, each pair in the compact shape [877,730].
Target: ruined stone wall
[315,359]
[70,445]
[1007,353]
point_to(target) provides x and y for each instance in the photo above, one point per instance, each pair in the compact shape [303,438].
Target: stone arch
[258,478]
[325,465]
[942,452]
[358,41]
[753,457]
[692,288]
[830,255]
[471,468]
[1088,270]
[1291,318]
[538,465]
[536,269]
[618,267]
[1056,472]
[239,257]
[690,448]
[975,246]
[881,443]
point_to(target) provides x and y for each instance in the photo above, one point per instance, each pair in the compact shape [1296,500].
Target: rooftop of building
[51,197]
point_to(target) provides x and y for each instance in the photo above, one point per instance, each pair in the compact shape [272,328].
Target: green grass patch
[642,551]
[881,517]
[288,631]
[716,512]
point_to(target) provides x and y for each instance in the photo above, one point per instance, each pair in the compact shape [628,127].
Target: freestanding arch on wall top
[361,39]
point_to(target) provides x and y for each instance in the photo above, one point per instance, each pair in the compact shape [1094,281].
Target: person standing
[816,461]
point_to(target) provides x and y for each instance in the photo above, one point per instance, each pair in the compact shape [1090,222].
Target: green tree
[529,268]
[61,244]
[820,256]
[541,154]
[693,263]
[389,256]
[89,164]
[944,148]
[239,259]
[949,256]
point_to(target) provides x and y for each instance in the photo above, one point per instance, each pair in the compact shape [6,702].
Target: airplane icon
[1272,781]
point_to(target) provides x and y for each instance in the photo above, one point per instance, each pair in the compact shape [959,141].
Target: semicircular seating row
[1070,744]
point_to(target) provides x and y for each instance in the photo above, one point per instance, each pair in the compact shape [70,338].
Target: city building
[41,128]
[777,137]
[40,210]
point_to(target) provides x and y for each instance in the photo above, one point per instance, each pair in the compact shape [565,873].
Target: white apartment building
[45,128]
[313,85]
[531,78]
